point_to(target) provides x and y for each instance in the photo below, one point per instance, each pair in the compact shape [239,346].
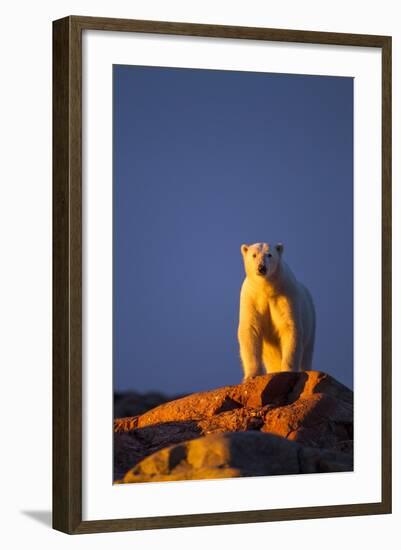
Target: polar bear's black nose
[262,269]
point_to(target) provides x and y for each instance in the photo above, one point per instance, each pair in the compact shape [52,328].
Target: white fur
[276,329]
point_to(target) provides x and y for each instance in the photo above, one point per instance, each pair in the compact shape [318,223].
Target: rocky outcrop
[236,454]
[278,423]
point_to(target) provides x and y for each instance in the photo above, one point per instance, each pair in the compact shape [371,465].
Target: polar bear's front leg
[250,343]
[291,350]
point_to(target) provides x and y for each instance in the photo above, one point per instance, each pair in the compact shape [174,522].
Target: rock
[238,454]
[131,447]
[318,420]
[134,403]
[308,408]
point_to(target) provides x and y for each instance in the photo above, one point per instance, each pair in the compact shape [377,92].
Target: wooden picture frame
[67,273]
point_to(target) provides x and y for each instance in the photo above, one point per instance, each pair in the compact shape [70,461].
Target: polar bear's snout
[262,269]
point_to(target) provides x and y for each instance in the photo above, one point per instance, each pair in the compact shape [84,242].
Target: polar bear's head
[261,259]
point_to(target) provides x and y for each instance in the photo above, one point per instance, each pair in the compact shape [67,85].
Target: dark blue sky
[203,162]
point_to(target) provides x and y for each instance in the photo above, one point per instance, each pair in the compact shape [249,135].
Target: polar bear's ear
[280,248]
[244,249]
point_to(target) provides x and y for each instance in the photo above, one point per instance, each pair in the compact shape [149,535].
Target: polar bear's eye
[269,255]
[254,255]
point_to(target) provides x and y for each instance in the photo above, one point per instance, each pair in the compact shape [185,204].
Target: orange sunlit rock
[308,408]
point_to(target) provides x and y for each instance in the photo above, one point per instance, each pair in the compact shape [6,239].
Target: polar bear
[276,329]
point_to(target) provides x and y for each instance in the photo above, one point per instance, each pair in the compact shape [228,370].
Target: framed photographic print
[221,274]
